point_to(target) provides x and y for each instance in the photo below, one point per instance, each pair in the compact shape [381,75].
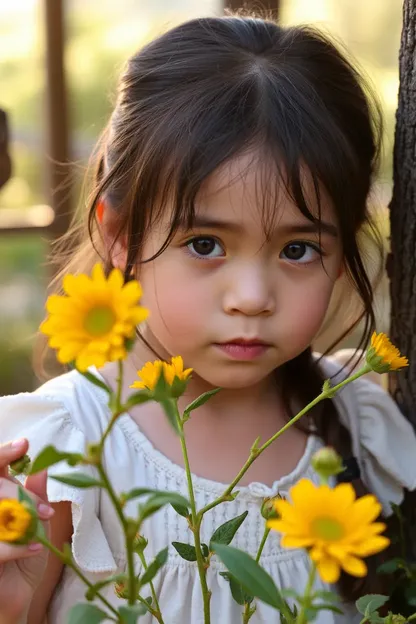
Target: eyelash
[195,256]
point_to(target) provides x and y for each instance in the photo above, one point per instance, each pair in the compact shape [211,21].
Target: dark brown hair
[209,90]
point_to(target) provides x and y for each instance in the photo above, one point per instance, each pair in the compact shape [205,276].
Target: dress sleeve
[44,420]
[384,441]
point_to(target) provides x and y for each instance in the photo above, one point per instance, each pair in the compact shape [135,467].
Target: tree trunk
[402,262]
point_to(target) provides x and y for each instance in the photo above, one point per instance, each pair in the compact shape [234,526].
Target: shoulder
[67,409]
[383,440]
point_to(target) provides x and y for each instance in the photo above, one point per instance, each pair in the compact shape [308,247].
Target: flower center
[99,321]
[327,528]
[7,519]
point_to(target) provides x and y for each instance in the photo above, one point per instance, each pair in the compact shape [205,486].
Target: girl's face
[235,303]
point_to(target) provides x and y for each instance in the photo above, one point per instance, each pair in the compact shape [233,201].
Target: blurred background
[98,37]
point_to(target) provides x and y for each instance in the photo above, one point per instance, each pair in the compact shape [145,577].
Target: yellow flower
[15,520]
[336,528]
[151,371]
[383,356]
[96,318]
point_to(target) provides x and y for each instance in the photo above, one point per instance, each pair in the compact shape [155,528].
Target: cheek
[305,312]
[178,304]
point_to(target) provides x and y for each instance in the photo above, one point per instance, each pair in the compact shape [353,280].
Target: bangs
[289,155]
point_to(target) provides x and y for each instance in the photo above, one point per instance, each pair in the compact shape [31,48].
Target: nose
[249,291]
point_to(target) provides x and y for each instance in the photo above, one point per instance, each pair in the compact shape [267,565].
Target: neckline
[254,489]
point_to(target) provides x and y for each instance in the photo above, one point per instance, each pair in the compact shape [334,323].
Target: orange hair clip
[99,211]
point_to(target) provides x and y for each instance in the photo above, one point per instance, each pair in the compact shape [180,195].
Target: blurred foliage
[22,285]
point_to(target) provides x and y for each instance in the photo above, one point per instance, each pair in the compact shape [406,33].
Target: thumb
[37,484]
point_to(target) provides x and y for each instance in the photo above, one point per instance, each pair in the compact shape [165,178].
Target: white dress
[69,412]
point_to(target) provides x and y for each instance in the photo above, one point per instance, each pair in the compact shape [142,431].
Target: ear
[115,241]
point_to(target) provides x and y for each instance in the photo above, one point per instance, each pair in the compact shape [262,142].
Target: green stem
[118,408]
[196,523]
[152,588]
[128,541]
[247,610]
[67,561]
[301,619]
[255,452]
[262,543]
[155,614]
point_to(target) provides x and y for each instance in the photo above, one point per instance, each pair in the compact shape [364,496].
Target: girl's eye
[301,253]
[205,247]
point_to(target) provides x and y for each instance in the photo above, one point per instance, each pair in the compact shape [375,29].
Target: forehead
[250,188]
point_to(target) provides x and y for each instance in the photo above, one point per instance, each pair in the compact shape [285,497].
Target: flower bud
[121,589]
[20,466]
[268,510]
[140,543]
[327,463]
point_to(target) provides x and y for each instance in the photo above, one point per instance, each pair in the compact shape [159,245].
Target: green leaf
[289,593]
[390,566]
[131,613]
[198,402]
[158,500]
[97,382]
[250,574]
[239,595]
[410,594]
[171,411]
[78,480]
[137,398]
[310,614]
[24,497]
[181,510]
[322,593]
[51,456]
[92,591]
[82,613]
[171,497]
[324,606]
[225,533]
[205,550]
[154,567]
[369,603]
[186,551]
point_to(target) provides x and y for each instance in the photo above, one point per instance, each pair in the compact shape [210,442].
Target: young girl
[232,180]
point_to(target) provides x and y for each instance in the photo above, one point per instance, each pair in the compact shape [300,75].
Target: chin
[234,380]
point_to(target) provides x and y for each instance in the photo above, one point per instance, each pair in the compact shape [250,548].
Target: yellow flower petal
[290,541]
[354,566]
[383,356]
[328,570]
[372,546]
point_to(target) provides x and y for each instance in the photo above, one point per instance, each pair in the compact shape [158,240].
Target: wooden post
[58,170]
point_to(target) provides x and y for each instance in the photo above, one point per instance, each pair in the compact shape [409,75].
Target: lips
[246,342]
[243,348]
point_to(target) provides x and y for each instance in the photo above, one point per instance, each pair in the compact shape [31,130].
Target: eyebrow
[307,228]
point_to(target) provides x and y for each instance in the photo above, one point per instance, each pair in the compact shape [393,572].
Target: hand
[21,567]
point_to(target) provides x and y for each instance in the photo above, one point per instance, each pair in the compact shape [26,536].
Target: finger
[10,452]
[8,552]
[37,484]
